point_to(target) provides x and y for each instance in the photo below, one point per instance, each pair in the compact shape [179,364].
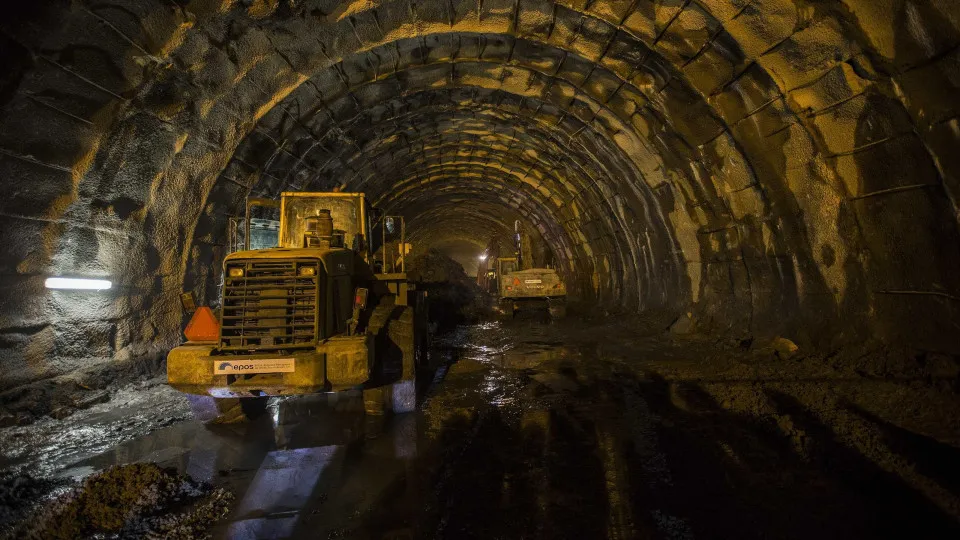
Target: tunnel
[738,171]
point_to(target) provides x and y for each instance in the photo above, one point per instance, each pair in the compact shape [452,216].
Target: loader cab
[264,233]
[269,223]
[350,215]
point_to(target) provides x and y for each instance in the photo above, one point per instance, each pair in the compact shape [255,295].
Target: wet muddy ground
[537,429]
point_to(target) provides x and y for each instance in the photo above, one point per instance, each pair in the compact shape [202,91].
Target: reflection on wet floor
[287,462]
[281,487]
[521,434]
[318,463]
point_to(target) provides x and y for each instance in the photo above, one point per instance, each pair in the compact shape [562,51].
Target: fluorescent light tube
[77,283]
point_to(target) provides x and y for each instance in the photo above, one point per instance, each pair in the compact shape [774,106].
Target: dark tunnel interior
[760,169]
[772,167]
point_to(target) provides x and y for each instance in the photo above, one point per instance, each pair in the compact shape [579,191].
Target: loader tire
[393,328]
[401,332]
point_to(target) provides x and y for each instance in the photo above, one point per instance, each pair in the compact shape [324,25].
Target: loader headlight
[235,272]
[308,271]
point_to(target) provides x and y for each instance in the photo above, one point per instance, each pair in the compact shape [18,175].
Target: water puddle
[500,430]
[531,355]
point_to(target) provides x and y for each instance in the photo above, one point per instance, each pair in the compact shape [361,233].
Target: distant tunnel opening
[763,168]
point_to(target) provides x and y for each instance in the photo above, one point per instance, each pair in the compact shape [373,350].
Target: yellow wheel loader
[309,315]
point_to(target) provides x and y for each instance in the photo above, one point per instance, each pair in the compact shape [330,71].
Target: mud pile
[454,296]
[140,500]
[434,266]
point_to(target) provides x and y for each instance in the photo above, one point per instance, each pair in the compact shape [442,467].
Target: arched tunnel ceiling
[774,166]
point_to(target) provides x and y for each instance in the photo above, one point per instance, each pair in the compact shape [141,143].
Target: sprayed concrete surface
[539,429]
[770,166]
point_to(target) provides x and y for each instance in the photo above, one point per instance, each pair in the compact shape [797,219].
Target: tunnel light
[483,257]
[77,283]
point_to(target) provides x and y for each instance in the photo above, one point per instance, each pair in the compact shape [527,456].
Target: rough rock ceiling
[770,166]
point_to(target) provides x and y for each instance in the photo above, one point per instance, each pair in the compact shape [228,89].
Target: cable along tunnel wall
[774,168]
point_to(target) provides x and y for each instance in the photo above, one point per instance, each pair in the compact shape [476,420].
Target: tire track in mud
[579,440]
[636,455]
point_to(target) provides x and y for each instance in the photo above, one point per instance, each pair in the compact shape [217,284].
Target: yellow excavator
[308,315]
[518,286]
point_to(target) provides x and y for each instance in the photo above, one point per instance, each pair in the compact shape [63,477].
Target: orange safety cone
[203,326]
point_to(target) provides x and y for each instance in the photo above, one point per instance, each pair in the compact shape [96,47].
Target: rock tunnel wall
[769,166]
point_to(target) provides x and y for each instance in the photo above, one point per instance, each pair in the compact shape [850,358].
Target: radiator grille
[272,307]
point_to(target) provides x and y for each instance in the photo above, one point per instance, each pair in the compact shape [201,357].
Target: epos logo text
[227,366]
[271,365]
